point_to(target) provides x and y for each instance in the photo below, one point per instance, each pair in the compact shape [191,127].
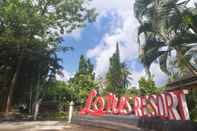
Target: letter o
[99,100]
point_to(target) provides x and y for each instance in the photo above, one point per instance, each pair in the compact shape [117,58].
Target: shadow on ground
[45,126]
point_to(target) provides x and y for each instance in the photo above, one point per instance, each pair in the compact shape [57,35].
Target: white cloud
[74,34]
[102,7]
[64,76]
[158,76]
[105,5]
[136,77]
[123,30]
[191,3]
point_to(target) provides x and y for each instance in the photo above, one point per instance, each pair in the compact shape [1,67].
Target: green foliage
[131,93]
[84,80]
[57,116]
[118,74]
[30,37]
[60,115]
[114,73]
[61,92]
[147,87]
[192,104]
[168,26]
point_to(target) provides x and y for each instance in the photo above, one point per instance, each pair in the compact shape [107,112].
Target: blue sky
[88,38]
[115,23]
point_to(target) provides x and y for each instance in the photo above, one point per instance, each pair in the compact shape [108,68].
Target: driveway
[45,126]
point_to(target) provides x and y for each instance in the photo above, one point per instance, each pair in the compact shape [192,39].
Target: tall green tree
[61,93]
[84,80]
[126,75]
[118,73]
[30,34]
[147,86]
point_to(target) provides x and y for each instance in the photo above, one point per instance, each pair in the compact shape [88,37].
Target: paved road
[45,126]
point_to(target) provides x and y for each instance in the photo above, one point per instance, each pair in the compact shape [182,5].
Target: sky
[97,41]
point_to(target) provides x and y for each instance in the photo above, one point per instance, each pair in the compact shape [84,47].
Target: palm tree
[126,75]
[167,26]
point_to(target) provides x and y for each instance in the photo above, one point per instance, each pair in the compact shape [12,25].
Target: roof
[186,83]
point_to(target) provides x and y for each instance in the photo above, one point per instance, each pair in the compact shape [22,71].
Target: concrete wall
[132,123]
[166,125]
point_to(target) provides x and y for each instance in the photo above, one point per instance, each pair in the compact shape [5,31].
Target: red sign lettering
[169,105]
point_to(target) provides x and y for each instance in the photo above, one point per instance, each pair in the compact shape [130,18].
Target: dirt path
[45,126]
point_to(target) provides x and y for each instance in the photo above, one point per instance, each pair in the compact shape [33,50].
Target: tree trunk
[191,69]
[37,101]
[12,85]
[36,109]
[2,102]
[30,100]
[147,70]
[10,94]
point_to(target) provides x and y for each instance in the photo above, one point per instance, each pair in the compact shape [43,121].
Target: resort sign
[169,105]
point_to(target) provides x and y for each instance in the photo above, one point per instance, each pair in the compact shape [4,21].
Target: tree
[147,87]
[192,104]
[84,80]
[126,75]
[118,74]
[34,29]
[60,92]
[168,26]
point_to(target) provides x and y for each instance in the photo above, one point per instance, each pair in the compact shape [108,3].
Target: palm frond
[151,51]
[163,62]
